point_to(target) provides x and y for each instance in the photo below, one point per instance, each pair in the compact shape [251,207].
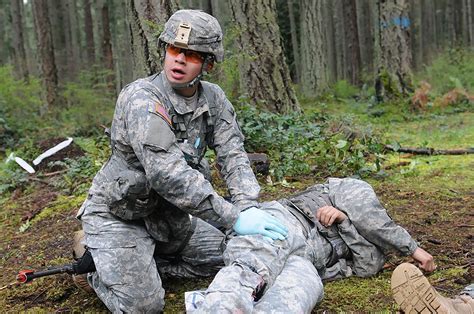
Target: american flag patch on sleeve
[161,111]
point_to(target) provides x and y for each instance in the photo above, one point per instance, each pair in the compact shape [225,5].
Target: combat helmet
[194,30]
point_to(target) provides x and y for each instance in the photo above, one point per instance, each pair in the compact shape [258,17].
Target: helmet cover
[194,30]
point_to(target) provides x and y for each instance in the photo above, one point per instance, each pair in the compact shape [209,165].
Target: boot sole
[413,292]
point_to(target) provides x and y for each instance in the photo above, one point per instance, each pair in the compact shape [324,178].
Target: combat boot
[78,250]
[414,294]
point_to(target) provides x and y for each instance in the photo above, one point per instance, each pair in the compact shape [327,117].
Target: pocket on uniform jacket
[129,195]
[228,115]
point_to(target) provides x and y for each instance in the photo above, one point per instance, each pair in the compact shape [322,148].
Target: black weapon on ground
[82,265]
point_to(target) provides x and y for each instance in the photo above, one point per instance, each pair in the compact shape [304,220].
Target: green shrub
[343,90]
[80,171]
[89,104]
[21,107]
[452,69]
[303,144]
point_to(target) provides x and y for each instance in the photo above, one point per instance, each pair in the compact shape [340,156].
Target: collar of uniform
[176,100]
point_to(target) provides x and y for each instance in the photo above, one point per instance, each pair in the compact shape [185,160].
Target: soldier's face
[181,66]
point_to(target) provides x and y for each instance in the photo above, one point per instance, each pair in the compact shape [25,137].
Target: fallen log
[429,150]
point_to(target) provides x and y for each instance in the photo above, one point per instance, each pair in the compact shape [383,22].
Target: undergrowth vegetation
[314,143]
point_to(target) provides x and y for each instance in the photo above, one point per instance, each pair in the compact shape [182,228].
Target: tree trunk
[330,44]
[366,34]
[4,33]
[120,45]
[428,38]
[294,42]
[264,74]
[450,31]
[107,55]
[60,36]
[146,19]
[469,22]
[46,51]
[106,38]
[65,66]
[89,30]
[416,34]
[29,37]
[313,56]
[73,54]
[21,67]
[394,78]
[352,58]
[339,38]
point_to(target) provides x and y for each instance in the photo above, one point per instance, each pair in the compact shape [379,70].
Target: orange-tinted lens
[194,57]
[172,50]
[191,56]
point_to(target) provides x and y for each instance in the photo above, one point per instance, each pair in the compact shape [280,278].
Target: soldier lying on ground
[138,208]
[336,230]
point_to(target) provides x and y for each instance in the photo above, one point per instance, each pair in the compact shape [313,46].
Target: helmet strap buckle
[182,37]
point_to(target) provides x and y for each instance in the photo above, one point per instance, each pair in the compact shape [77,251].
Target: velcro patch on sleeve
[161,111]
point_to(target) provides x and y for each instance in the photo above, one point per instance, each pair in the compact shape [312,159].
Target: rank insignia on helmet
[161,111]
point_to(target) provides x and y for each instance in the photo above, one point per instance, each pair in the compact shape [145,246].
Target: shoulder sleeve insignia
[161,111]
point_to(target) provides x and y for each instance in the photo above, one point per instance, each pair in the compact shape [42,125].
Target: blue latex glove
[256,221]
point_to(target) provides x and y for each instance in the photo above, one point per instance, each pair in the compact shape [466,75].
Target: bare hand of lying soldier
[425,260]
[327,215]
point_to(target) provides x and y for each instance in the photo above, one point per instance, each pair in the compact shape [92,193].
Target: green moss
[450,273]
[60,205]
[440,131]
[446,174]
[359,294]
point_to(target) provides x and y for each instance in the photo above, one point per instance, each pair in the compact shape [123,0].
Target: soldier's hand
[425,260]
[256,221]
[327,215]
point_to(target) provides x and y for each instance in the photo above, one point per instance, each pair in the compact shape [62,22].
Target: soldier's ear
[210,65]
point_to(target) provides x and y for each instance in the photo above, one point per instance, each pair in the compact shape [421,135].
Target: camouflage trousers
[283,271]
[129,262]
[289,273]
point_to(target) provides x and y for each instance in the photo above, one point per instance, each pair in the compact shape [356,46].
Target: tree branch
[430,151]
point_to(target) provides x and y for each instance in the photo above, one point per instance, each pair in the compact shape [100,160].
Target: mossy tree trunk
[394,57]
[146,20]
[264,74]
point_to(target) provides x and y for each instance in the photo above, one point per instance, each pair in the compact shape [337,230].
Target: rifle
[82,265]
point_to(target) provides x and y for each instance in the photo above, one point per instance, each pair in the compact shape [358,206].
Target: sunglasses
[191,56]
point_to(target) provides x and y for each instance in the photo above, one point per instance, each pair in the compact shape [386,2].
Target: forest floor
[431,196]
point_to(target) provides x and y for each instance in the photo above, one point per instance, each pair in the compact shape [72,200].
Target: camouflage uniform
[289,273]
[140,202]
